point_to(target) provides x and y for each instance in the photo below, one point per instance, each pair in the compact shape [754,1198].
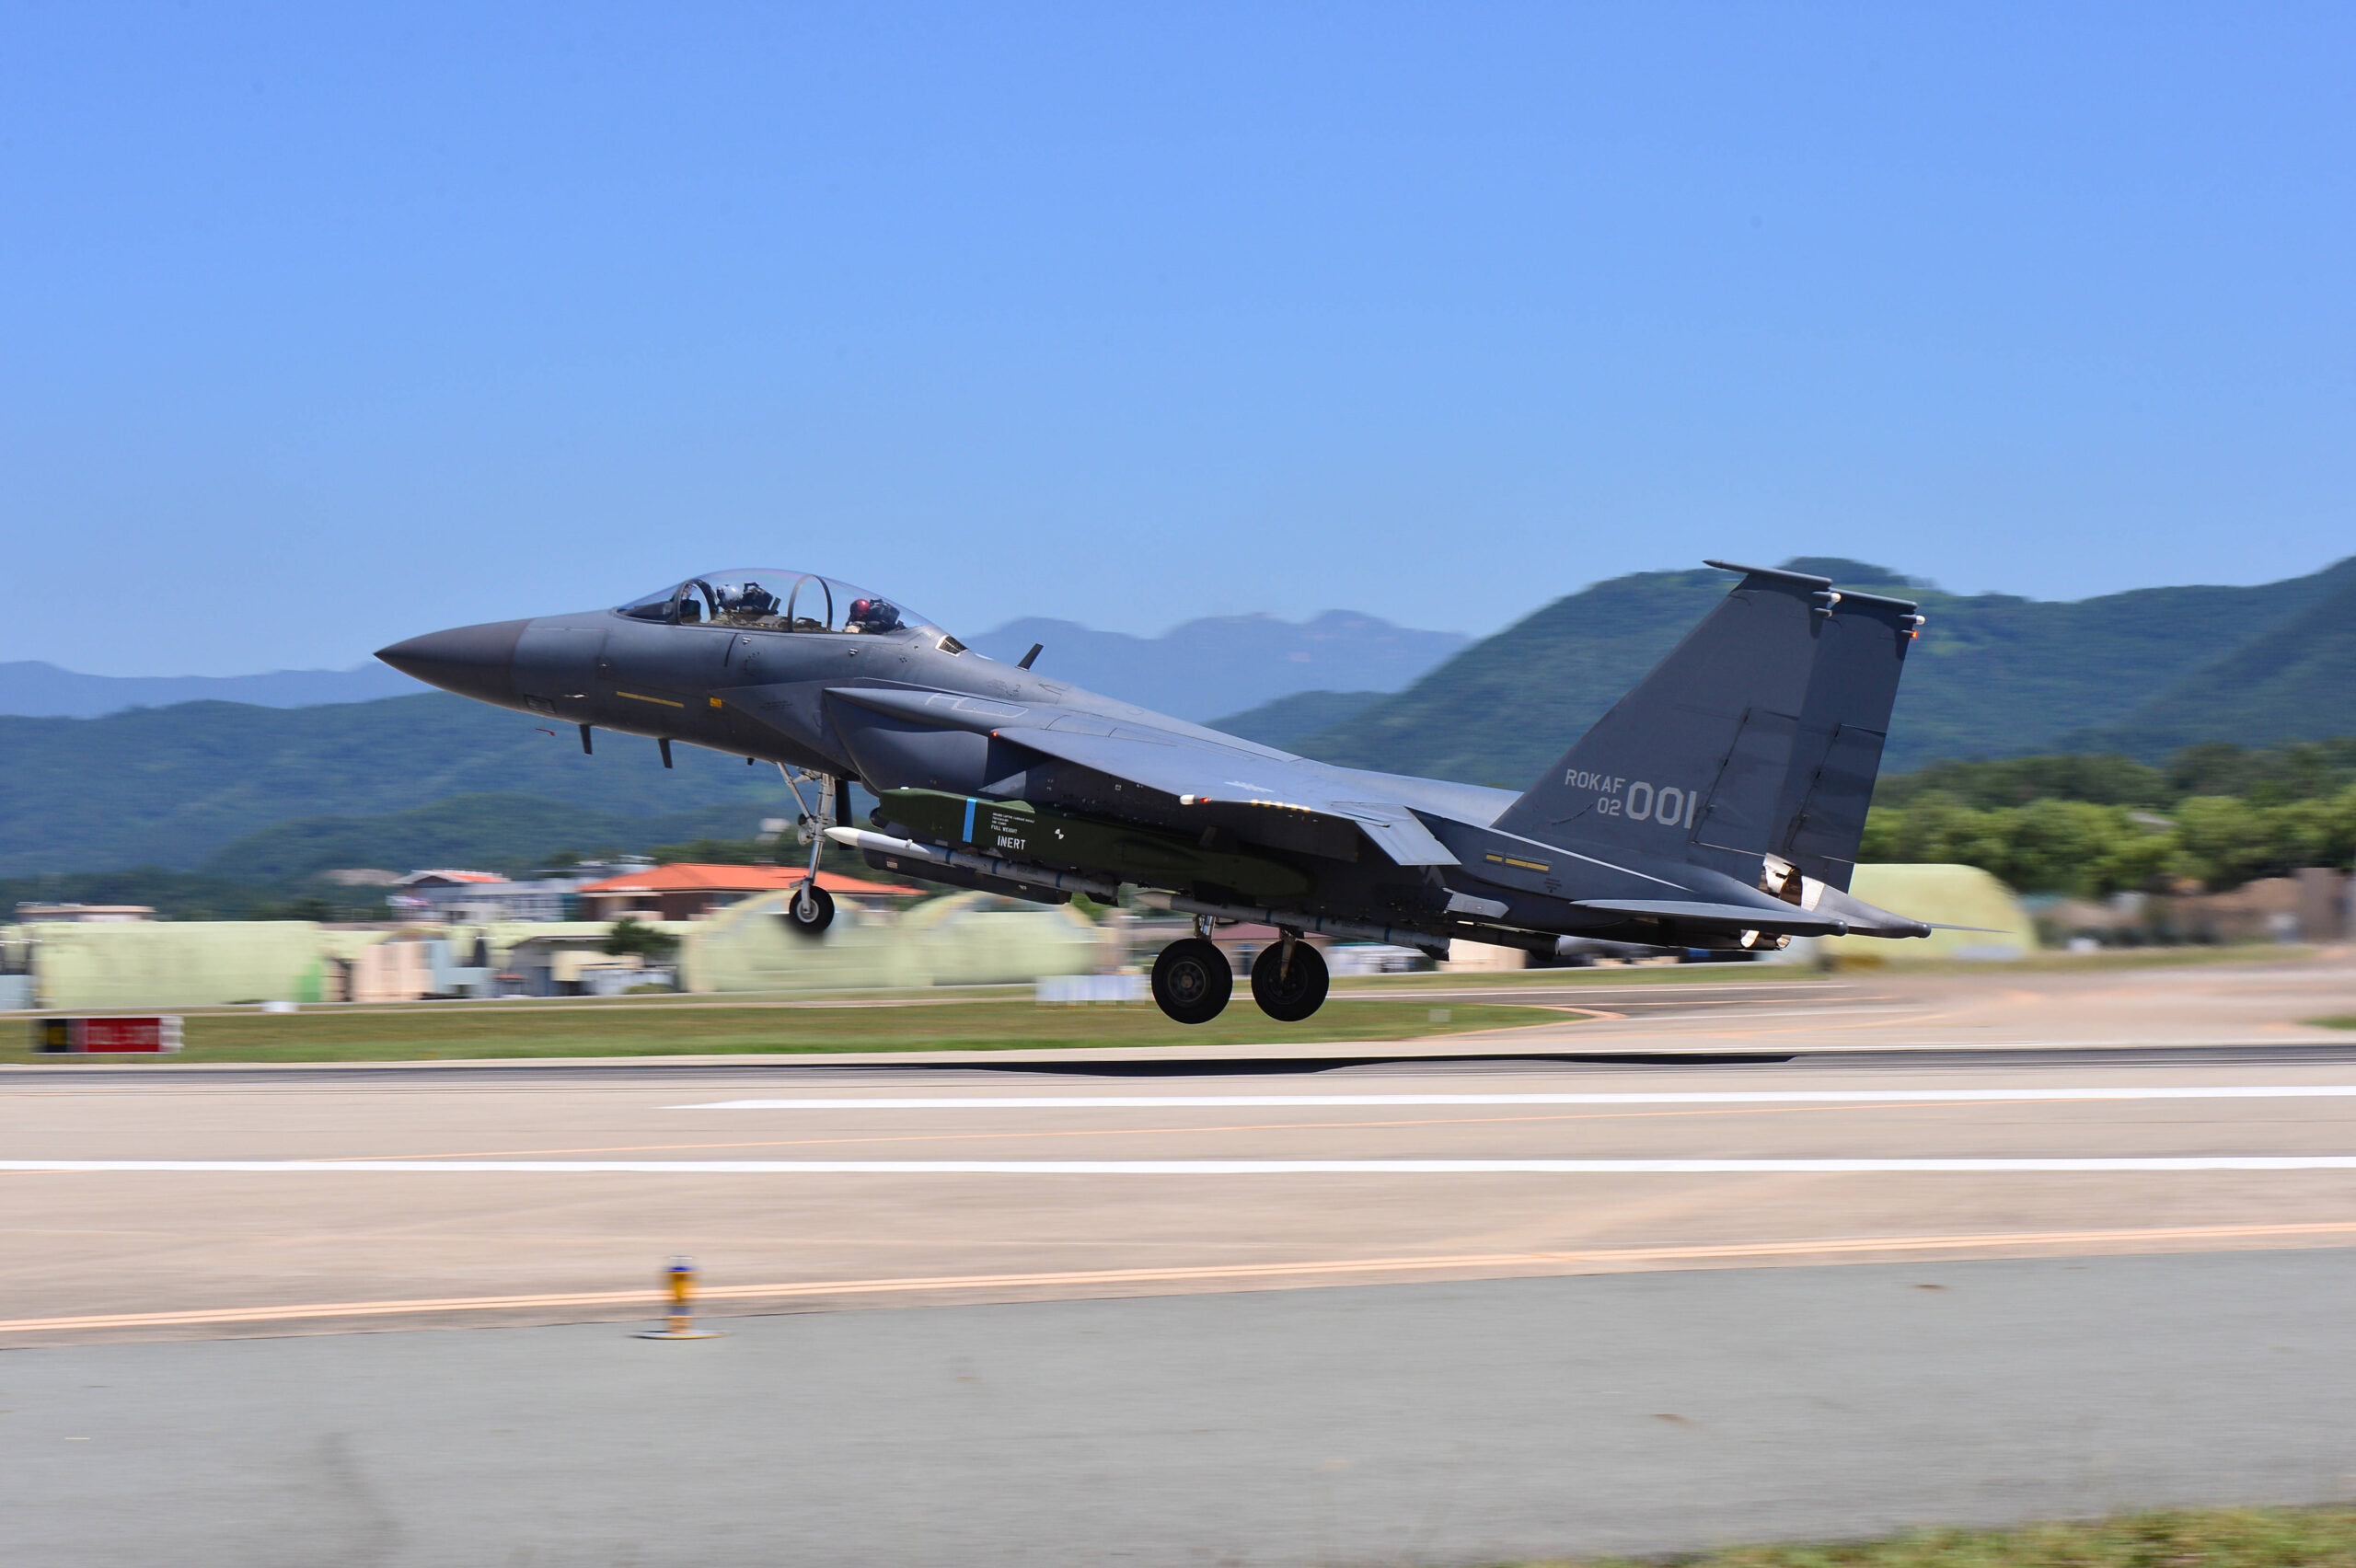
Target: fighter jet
[1718,805]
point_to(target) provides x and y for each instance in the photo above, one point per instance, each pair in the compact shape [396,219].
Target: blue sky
[327,324]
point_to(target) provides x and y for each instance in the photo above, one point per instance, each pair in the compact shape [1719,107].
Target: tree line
[2089,824]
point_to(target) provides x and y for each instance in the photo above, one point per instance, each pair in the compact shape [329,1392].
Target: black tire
[1192,980]
[1289,993]
[810,922]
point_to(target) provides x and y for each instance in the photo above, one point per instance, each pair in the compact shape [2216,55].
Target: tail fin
[1759,734]
[1699,753]
[1861,652]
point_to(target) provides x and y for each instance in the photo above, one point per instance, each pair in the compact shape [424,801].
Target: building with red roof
[683,891]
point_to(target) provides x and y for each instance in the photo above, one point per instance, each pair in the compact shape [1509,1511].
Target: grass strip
[428,1033]
[2202,1537]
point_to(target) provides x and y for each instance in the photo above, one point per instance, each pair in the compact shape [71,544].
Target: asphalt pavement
[1803,1260]
[1457,1422]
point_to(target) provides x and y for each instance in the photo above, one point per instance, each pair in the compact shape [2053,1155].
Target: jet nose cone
[473,661]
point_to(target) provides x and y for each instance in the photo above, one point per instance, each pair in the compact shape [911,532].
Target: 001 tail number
[1667,805]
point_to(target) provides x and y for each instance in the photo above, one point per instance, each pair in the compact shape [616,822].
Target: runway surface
[1551,1291]
[1461,1422]
[2171,1109]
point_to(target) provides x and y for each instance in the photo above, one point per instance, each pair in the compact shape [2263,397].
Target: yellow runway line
[1842,1247]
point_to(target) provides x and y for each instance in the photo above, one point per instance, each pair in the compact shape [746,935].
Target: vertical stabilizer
[1861,652]
[1701,751]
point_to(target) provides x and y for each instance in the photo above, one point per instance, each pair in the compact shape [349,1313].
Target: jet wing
[1186,768]
[1194,767]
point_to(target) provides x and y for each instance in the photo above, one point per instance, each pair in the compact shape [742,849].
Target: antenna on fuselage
[1024,662]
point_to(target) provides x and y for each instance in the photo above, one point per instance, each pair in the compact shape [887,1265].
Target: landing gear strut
[1192,980]
[1289,980]
[812,908]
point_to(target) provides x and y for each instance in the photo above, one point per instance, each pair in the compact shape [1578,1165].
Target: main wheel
[1192,980]
[816,916]
[1289,992]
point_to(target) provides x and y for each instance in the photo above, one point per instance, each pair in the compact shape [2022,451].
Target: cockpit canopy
[769,598]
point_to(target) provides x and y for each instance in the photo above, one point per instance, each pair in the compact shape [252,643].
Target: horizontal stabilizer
[1730,916]
[1863,919]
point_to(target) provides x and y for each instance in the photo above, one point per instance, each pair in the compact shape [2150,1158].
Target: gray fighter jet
[1718,805]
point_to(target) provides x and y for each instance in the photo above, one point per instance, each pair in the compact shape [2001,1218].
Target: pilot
[749,598]
[873,616]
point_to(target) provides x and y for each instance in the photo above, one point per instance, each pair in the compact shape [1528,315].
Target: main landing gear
[1192,981]
[1289,980]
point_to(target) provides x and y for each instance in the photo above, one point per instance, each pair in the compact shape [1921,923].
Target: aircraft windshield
[773,599]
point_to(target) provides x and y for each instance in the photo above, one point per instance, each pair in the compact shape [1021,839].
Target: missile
[984,865]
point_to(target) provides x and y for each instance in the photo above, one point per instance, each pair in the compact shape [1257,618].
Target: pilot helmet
[874,615]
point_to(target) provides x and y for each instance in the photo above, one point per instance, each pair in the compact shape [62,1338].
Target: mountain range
[172,786]
[2143,673]
[40,690]
[244,789]
[266,785]
[1213,665]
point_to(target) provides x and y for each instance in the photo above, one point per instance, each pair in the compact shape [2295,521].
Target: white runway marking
[1690,1097]
[1188,1166]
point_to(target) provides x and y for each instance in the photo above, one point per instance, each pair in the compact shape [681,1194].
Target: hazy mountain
[1993,674]
[171,786]
[1227,664]
[39,690]
[1220,664]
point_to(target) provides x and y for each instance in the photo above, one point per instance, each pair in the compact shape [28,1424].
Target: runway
[163,1200]
[1452,1422]
[1738,1192]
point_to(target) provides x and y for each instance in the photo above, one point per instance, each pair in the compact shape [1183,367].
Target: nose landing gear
[810,909]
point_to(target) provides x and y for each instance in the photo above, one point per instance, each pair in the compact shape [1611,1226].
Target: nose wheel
[810,909]
[1192,980]
[1289,980]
